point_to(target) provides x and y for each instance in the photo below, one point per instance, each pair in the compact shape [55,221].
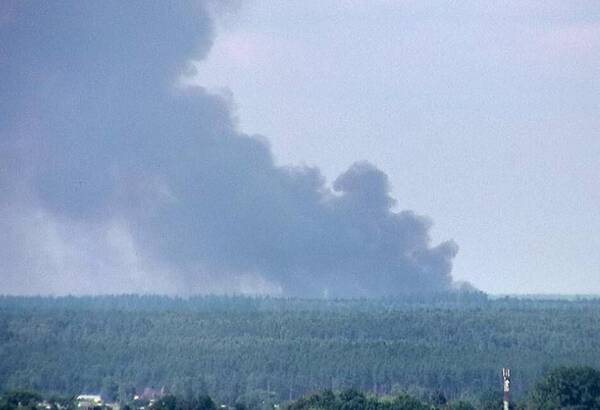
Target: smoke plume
[115,179]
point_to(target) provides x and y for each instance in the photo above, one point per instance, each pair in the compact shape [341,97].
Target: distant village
[142,401]
[145,399]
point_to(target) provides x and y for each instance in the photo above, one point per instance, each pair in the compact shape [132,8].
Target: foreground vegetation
[563,388]
[239,349]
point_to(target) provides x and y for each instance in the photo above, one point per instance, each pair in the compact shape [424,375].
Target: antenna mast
[506,387]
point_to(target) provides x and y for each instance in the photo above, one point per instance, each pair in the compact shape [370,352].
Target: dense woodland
[240,349]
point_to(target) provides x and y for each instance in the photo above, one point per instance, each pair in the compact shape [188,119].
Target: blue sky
[483,114]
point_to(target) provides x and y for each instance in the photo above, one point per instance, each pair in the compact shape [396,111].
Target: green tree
[567,388]
[204,402]
[406,402]
[490,399]
[62,402]
[169,402]
[438,398]
[352,400]
[20,398]
[459,405]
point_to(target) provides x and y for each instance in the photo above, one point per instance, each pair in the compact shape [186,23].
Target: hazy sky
[485,116]
[312,148]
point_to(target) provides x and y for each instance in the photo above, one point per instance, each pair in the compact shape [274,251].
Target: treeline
[233,348]
[234,303]
[562,388]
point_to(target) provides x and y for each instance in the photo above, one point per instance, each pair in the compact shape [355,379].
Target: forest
[238,349]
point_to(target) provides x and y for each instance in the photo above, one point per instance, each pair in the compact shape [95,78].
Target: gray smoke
[113,179]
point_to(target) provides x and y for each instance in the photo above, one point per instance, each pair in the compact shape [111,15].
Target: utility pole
[506,387]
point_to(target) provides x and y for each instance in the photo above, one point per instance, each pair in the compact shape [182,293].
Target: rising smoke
[113,179]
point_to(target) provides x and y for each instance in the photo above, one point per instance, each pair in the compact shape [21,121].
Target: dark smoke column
[113,177]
